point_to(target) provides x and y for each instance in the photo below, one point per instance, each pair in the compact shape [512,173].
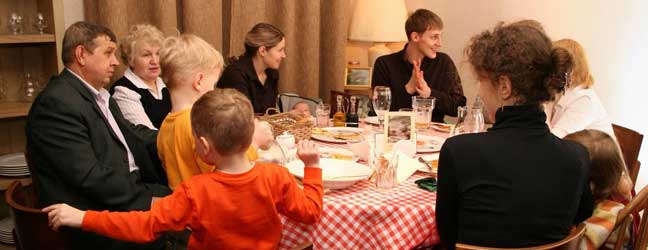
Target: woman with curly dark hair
[516,185]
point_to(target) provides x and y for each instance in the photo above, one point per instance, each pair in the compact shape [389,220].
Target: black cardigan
[516,185]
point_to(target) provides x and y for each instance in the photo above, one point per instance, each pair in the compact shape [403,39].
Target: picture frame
[399,126]
[357,78]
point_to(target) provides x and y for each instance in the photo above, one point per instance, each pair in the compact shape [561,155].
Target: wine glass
[381,100]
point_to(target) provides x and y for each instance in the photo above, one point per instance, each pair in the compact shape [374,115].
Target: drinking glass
[385,173]
[322,115]
[461,117]
[423,107]
[474,121]
[381,100]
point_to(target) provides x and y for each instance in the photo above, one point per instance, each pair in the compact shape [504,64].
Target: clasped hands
[417,83]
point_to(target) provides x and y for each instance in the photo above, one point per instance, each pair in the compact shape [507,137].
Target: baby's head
[301,108]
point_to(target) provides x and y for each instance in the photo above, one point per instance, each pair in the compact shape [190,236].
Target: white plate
[428,144]
[373,120]
[13,160]
[429,158]
[441,127]
[336,174]
[331,132]
[329,153]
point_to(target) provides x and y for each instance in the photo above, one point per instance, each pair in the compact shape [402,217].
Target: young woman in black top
[516,185]
[255,73]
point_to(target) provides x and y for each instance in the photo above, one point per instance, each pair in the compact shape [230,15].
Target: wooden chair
[568,243]
[630,144]
[31,231]
[637,204]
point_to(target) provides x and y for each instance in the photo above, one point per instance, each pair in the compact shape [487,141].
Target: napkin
[405,166]
[429,183]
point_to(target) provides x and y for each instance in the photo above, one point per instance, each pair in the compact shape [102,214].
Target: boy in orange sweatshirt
[235,207]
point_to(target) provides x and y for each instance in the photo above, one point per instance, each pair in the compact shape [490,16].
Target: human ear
[504,89]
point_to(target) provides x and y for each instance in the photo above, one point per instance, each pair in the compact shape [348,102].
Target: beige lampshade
[378,21]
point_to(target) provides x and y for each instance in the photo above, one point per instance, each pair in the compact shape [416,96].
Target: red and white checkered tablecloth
[363,217]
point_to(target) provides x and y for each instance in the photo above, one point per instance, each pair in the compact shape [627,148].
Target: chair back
[285,102]
[568,243]
[31,228]
[630,144]
[635,206]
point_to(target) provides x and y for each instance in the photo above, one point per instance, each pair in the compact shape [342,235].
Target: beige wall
[614,35]
[73,11]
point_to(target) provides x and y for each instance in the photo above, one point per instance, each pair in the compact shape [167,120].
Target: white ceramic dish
[428,144]
[13,160]
[373,120]
[329,153]
[336,174]
[334,134]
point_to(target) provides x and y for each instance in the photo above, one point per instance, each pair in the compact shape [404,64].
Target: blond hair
[581,75]
[139,34]
[225,118]
[181,56]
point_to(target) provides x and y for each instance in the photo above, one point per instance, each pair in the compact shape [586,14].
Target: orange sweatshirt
[176,149]
[224,211]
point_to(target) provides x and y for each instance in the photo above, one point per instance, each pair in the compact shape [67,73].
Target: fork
[421,160]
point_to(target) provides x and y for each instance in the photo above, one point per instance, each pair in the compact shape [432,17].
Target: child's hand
[308,153]
[263,136]
[64,215]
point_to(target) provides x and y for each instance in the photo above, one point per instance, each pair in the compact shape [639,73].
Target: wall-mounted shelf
[14,109]
[27,38]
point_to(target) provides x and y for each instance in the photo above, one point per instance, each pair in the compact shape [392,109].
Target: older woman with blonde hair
[140,93]
[579,108]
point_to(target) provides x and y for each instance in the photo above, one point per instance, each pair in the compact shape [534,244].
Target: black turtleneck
[516,185]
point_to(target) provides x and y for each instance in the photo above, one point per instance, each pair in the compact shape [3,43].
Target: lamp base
[378,50]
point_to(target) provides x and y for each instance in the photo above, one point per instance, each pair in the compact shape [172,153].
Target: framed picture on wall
[357,78]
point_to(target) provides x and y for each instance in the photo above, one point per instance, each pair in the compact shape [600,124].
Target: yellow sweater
[176,149]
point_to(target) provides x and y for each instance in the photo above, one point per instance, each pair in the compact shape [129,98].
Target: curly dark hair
[525,55]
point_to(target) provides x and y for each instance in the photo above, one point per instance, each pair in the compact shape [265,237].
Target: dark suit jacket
[516,185]
[79,160]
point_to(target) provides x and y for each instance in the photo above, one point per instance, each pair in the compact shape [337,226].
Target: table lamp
[378,21]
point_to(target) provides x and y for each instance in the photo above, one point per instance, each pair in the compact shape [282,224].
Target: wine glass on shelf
[381,100]
[40,24]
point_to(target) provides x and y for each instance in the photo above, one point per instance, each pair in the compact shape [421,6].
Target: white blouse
[129,100]
[579,109]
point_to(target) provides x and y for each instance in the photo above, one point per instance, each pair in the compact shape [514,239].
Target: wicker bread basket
[295,124]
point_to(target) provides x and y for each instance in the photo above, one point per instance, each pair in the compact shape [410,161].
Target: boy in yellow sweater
[190,68]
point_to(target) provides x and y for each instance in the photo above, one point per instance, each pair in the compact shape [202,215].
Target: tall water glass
[474,121]
[322,113]
[381,100]
[423,107]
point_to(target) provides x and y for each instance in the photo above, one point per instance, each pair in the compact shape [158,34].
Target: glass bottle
[29,89]
[352,116]
[339,118]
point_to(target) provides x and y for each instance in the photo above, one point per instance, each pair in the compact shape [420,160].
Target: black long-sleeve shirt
[241,75]
[440,73]
[516,185]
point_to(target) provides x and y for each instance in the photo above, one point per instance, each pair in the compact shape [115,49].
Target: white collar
[96,93]
[138,82]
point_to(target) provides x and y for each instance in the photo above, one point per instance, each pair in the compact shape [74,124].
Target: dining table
[366,217]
